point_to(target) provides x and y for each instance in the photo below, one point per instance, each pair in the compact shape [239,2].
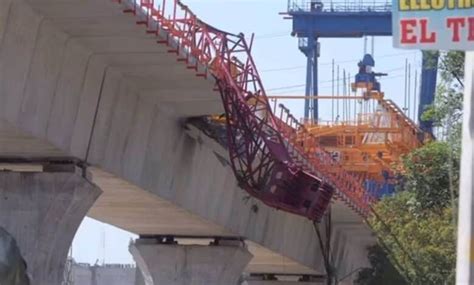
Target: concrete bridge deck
[80,79]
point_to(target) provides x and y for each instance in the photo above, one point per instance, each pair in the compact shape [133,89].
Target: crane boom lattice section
[267,159]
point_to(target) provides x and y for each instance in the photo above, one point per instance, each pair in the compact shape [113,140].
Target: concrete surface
[283,280]
[174,264]
[79,78]
[42,211]
[281,283]
[12,264]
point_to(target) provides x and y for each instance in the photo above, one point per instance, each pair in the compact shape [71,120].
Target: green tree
[431,172]
[421,242]
[381,271]
[452,67]
[418,224]
[446,112]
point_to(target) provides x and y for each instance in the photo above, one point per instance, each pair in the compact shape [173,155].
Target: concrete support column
[42,211]
[174,264]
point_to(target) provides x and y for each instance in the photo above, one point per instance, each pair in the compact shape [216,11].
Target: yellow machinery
[366,142]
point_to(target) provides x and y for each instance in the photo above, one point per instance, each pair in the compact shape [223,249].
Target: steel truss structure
[265,161]
[369,142]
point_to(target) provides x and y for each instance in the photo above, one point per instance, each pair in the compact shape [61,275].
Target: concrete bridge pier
[42,211]
[169,263]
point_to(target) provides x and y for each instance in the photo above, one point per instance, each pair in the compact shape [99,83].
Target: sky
[282,68]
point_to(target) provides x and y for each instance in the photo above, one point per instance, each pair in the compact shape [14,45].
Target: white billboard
[433,24]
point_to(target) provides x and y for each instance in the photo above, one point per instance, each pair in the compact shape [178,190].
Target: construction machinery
[274,157]
[316,19]
[371,138]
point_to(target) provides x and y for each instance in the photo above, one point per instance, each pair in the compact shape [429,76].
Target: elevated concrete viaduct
[80,81]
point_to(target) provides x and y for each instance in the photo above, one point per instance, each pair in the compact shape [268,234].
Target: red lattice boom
[263,159]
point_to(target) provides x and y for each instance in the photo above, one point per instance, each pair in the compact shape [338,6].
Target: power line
[273,35]
[284,68]
[329,81]
[330,63]
[287,87]
[296,88]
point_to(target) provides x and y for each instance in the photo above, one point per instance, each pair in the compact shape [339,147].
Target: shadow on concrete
[12,264]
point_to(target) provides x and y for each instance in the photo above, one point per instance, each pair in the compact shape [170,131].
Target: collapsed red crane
[265,162]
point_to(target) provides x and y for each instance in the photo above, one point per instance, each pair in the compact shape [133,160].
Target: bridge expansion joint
[176,239]
[303,278]
[64,164]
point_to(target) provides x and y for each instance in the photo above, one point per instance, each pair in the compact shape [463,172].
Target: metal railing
[350,188]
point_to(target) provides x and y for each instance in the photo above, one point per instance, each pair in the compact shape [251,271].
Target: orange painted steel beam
[367,146]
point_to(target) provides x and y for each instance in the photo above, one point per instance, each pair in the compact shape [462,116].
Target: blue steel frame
[309,46]
[349,21]
[334,24]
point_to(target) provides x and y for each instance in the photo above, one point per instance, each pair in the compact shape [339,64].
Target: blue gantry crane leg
[314,19]
[310,48]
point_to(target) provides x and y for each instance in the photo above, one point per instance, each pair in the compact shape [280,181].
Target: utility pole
[465,248]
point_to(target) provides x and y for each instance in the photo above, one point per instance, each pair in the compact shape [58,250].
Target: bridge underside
[80,79]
